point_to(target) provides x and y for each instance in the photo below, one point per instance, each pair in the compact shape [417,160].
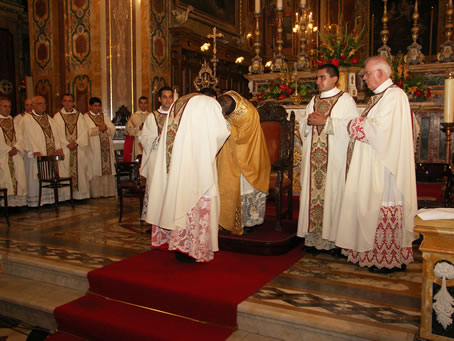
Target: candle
[279,4]
[449,100]
[303,2]
[257,6]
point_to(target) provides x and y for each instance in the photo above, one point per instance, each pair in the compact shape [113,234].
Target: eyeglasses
[368,73]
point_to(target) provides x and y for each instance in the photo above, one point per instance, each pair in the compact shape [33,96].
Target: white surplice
[381,174]
[20,198]
[192,175]
[83,168]
[35,141]
[336,130]
[100,185]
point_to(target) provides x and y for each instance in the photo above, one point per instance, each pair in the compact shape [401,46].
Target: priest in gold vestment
[244,166]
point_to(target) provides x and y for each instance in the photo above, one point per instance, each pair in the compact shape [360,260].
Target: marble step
[284,324]
[33,301]
[38,269]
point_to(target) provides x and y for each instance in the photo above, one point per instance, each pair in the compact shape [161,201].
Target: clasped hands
[316,119]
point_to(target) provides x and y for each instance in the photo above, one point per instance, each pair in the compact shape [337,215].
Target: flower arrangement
[340,47]
[412,84]
[283,87]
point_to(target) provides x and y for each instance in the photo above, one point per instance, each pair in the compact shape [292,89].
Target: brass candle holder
[279,60]
[256,62]
[447,128]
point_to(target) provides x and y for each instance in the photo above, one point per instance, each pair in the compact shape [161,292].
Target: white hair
[380,63]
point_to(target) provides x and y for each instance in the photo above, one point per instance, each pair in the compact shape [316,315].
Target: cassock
[184,201]
[12,170]
[244,169]
[323,167]
[101,155]
[40,135]
[72,127]
[379,202]
[133,130]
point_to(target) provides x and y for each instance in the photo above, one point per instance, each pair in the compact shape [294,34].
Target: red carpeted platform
[208,292]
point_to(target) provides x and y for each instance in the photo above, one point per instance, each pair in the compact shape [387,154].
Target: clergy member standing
[165,98]
[135,125]
[100,131]
[12,171]
[73,132]
[244,166]
[40,138]
[184,198]
[323,131]
[379,202]
[27,109]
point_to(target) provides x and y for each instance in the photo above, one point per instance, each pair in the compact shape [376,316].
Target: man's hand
[13,151]
[37,155]
[72,146]
[102,127]
[59,152]
[316,119]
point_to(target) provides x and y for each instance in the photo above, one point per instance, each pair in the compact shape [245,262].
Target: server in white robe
[135,125]
[100,131]
[40,138]
[73,134]
[184,201]
[12,170]
[27,109]
[323,130]
[379,202]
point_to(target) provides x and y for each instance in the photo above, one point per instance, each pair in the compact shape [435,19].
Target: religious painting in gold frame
[224,14]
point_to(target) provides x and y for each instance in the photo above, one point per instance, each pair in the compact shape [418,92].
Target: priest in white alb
[73,132]
[184,197]
[379,203]
[12,171]
[323,131]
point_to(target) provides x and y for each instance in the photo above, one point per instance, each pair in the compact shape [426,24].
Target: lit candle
[279,4]
[449,100]
[257,6]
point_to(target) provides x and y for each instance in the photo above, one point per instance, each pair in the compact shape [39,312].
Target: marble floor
[324,288]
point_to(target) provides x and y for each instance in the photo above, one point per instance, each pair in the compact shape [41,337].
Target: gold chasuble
[104,141]
[373,100]
[244,153]
[71,120]
[319,163]
[43,121]
[9,134]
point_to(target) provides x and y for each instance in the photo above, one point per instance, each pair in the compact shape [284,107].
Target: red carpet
[207,292]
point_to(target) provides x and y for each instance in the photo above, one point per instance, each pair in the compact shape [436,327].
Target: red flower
[283,87]
[418,93]
[289,90]
[335,61]
[354,61]
[428,93]
[320,62]
[400,83]
[407,78]
[343,44]
[343,56]
[282,96]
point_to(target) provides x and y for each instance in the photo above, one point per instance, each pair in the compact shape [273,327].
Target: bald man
[41,138]
[379,204]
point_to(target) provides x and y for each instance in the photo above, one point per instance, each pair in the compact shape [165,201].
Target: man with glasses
[379,202]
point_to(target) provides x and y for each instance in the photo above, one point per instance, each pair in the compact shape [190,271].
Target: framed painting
[224,14]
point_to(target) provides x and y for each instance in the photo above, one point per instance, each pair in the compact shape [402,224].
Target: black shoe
[336,252]
[182,257]
[376,270]
[248,230]
[148,231]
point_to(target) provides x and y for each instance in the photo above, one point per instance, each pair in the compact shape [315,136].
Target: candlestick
[302,59]
[447,127]
[279,60]
[256,62]
[446,53]
[385,50]
[414,55]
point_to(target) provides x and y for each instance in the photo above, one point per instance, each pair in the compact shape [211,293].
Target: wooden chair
[48,178]
[278,129]
[434,182]
[4,196]
[129,183]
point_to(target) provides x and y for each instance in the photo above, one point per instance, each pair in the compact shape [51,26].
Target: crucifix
[214,60]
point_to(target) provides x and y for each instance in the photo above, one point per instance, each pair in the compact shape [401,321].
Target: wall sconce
[205,47]
[239,60]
